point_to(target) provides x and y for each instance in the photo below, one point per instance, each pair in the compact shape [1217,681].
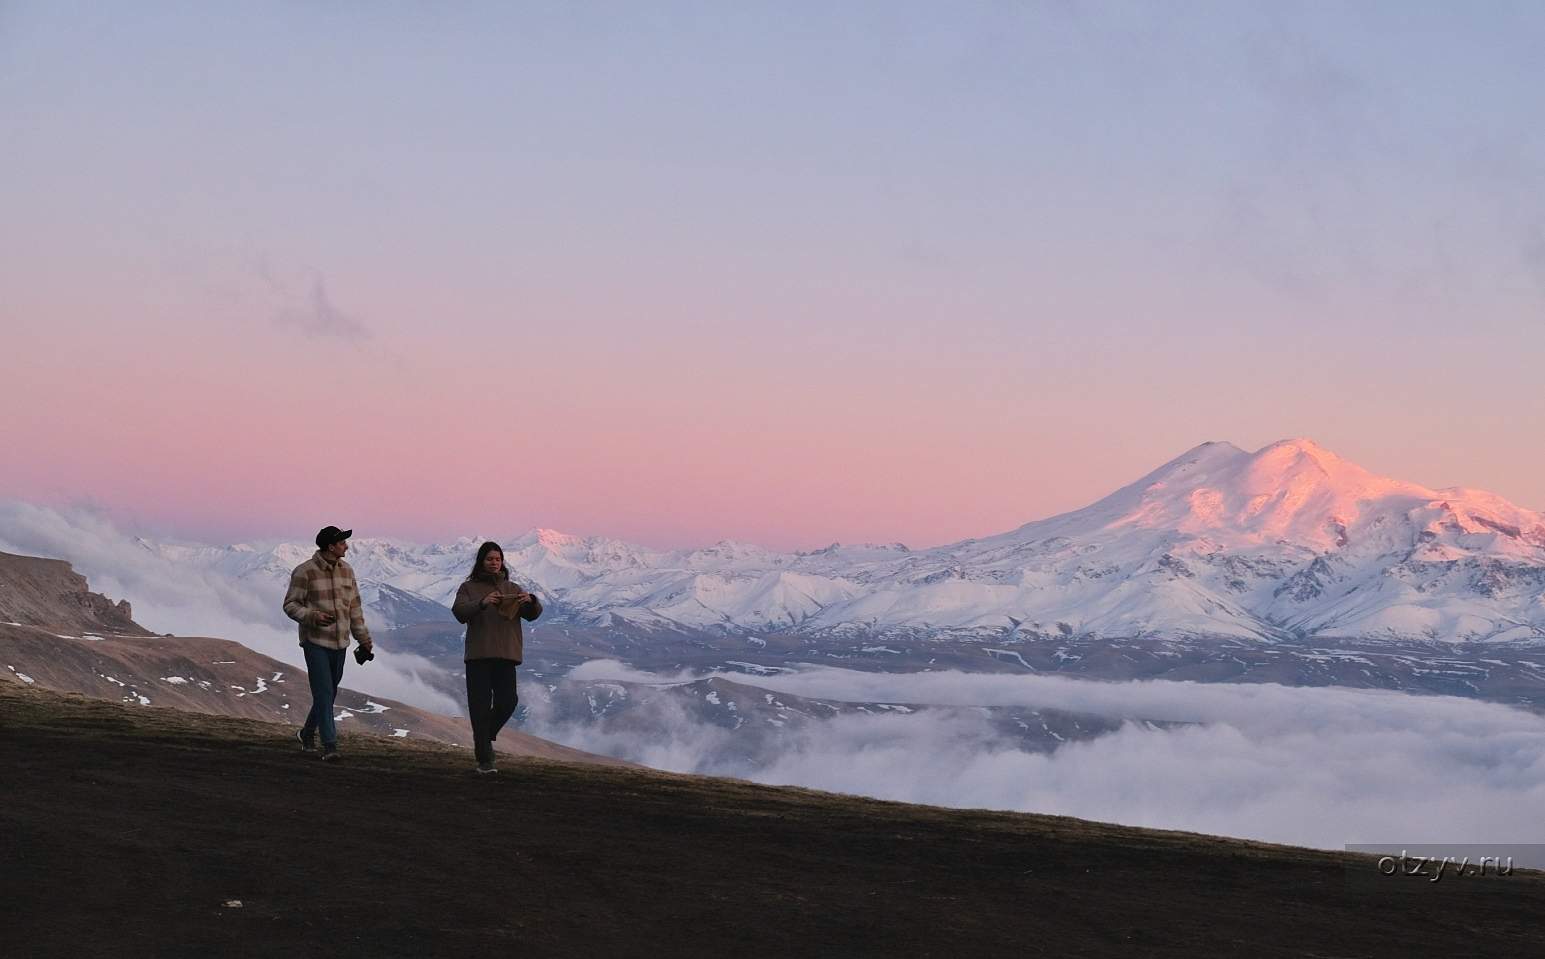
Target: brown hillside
[221,677]
[48,592]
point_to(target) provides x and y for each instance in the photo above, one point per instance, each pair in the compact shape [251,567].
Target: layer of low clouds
[1311,766]
[186,600]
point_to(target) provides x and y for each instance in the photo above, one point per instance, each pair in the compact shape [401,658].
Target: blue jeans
[324,668]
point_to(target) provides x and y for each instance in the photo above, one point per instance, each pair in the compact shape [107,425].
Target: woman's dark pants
[491,701]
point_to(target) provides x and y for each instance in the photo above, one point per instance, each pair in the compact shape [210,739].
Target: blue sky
[901,240]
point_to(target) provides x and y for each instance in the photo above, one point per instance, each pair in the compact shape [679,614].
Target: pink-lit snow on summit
[1292,490]
[1295,492]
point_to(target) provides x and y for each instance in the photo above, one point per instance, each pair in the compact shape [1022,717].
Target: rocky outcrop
[48,593]
[1308,583]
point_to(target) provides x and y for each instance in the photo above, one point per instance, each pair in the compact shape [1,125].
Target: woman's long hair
[477,565]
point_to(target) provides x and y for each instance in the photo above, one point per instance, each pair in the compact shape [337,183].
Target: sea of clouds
[1320,767]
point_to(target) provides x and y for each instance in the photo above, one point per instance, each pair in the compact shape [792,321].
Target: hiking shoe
[330,754]
[308,744]
[484,768]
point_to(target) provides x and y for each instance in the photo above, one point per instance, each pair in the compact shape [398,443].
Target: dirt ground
[127,830]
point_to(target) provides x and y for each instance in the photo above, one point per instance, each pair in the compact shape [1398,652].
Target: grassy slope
[127,828]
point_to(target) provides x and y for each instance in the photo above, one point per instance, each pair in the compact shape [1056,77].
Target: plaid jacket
[318,586]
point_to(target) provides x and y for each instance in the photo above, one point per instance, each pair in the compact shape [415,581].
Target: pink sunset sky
[675,275]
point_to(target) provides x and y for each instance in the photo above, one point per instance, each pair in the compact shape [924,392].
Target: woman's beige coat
[493,631]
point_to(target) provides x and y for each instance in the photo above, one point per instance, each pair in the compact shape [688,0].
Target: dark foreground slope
[128,830]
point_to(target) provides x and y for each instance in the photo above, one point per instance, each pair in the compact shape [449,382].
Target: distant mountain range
[1290,543]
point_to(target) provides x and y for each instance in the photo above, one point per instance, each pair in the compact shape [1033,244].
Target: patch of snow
[713,697]
[21,675]
[400,733]
[174,680]
[372,707]
[1010,654]
[880,649]
[345,714]
[1333,658]
[756,668]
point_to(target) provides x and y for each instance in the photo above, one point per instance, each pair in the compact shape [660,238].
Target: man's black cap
[330,535]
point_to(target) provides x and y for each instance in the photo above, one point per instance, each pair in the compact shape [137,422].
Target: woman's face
[493,562]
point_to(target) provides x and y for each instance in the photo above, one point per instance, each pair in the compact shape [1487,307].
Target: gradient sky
[680,272]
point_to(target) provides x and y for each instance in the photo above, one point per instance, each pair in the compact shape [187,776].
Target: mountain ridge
[1290,541]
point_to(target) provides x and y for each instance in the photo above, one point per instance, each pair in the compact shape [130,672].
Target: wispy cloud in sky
[313,312]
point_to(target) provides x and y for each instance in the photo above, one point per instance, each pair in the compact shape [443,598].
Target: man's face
[336,550]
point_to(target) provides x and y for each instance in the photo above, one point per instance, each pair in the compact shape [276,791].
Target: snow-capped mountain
[1289,541]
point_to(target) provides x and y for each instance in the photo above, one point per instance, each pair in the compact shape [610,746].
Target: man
[324,599]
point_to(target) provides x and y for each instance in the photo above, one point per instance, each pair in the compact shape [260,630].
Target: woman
[492,607]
